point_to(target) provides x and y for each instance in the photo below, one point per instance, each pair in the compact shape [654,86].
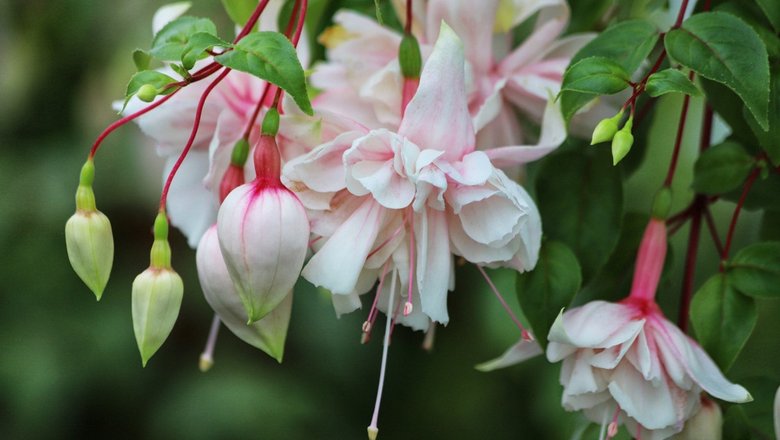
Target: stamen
[525,334]
[207,357]
[384,243]
[612,429]
[369,323]
[430,335]
[373,430]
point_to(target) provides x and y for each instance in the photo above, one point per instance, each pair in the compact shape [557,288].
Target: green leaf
[157,79]
[736,425]
[770,138]
[670,81]
[721,168]
[762,195]
[270,56]
[141,59]
[771,9]
[769,222]
[196,48]
[548,288]
[627,43]
[596,75]
[171,41]
[755,270]
[723,319]
[239,10]
[723,48]
[729,106]
[581,201]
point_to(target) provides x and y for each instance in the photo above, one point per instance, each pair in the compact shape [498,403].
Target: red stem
[191,140]
[681,14]
[678,139]
[409,6]
[730,236]
[713,230]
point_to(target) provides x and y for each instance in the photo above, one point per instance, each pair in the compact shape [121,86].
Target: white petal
[597,324]
[337,265]
[516,354]
[433,263]
[652,406]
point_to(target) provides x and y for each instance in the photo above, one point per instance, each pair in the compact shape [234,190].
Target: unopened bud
[606,129]
[157,294]
[146,93]
[271,122]
[409,57]
[88,236]
[622,142]
[662,203]
[705,424]
[240,153]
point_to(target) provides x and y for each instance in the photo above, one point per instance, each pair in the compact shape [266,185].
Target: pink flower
[410,199]
[626,363]
[362,78]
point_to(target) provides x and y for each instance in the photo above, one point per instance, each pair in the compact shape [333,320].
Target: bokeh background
[69,367]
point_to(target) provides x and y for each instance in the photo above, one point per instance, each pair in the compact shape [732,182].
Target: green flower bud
[622,142]
[662,203]
[409,57]
[157,294]
[146,93]
[240,153]
[606,129]
[88,236]
[271,122]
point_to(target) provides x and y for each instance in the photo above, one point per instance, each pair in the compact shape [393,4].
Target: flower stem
[730,236]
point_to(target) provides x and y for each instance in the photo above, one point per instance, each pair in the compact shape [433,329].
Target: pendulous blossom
[626,363]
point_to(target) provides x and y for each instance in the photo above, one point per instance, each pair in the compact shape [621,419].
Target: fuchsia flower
[626,363]
[362,78]
[410,199]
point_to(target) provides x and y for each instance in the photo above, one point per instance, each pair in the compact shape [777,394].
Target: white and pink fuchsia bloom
[409,200]
[626,363]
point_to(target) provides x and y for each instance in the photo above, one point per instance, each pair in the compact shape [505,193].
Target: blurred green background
[69,367]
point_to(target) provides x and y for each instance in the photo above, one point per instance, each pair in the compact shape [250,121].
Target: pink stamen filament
[525,333]
[612,428]
[372,314]
[382,369]
[384,243]
[207,357]
[191,140]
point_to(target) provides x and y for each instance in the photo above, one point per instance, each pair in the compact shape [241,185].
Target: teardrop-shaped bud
[268,334]
[88,236]
[147,93]
[604,131]
[264,234]
[621,145]
[157,294]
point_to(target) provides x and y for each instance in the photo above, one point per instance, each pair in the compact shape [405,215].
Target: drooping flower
[263,233]
[626,363]
[411,199]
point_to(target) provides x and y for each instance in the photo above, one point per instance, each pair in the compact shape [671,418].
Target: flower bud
[606,129]
[146,93]
[622,142]
[706,424]
[267,334]
[409,57]
[88,236]
[662,203]
[157,294]
[263,233]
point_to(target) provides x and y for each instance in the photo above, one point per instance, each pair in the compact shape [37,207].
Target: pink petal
[552,136]
[597,324]
[520,352]
[192,208]
[438,117]
[472,20]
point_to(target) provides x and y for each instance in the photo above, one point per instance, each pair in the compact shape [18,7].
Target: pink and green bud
[157,295]
[268,334]
[147,93]
[264,234]
[88,236]
[622,142]
[606,129]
